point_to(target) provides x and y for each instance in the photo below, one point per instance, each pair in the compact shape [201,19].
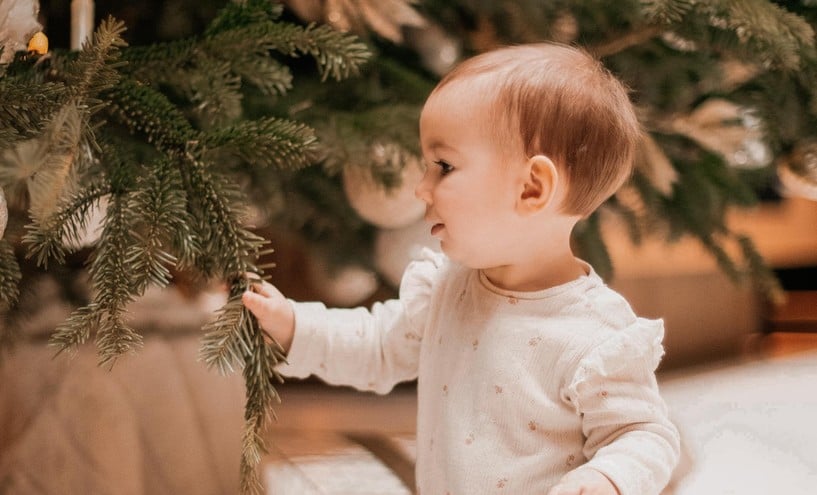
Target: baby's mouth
[436,228]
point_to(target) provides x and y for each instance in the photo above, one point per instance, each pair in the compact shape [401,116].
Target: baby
[534,377]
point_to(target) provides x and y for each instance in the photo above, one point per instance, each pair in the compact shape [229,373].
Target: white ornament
[18,22]
[4,213]
[733,131]
[344,286]
[439,51]
[394,249]
[386,208]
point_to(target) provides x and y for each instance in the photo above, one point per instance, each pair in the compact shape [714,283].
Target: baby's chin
[462,258]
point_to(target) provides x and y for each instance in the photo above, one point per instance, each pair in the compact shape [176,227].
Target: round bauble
[396,248]
[385,208]
[342,286]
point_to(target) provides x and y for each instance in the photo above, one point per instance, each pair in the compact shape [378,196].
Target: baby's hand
[584,481]
[273,311]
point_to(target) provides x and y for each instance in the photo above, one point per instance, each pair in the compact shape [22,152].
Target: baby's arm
[629,437]
[369,349]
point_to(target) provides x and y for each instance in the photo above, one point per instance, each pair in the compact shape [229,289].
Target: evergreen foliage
[154,136]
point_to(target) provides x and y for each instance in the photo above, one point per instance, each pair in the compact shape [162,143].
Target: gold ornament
[38,43]
[18,21]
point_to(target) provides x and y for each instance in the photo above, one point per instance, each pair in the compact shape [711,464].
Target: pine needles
[148,139]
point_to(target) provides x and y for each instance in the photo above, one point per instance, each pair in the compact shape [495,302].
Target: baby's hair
[566,106]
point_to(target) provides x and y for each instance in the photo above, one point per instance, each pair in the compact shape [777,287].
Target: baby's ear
[539,184]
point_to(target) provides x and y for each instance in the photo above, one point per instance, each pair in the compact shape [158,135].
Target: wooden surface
[785,233]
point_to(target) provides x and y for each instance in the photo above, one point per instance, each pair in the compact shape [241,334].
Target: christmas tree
[219,124]
[155,133]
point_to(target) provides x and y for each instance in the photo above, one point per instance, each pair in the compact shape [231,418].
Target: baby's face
[470,185]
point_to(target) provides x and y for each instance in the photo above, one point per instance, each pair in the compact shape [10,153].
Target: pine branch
[259,372]
[337,54]
[115,285]
[10,276]
[95,69]
[26,106]
[143,109]
[626,40]
[666,12]
[223,346]
[46,238]
[114,338]
[76,330]
[270,141]
[762,32]
[159,61]
[233,339]
[243,13]
[215,204]
[213,90]
[762,276]
[161,216]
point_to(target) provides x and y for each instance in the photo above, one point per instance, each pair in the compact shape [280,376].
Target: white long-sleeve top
[515,389]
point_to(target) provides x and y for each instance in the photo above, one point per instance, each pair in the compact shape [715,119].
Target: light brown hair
[567,106]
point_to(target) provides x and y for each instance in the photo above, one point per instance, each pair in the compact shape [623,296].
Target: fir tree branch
[627,40]
[115,286]
[223,347]
[761,274]
[243,13]
[213,90]
[45,239]
[159,61]
[95,69]
[259,371]
[25,107]
[270,141]
[666,12]
[10,276]
[215,204]
[148,111]
[762,32]
[161,217]
[75,331]
[337,54]
[233,339]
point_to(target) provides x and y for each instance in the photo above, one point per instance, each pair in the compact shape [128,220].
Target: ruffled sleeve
[366,349]
[628,434]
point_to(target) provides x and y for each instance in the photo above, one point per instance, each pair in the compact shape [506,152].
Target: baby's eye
[445,168]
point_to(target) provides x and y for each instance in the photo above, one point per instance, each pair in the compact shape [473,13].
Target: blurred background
[199,140]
